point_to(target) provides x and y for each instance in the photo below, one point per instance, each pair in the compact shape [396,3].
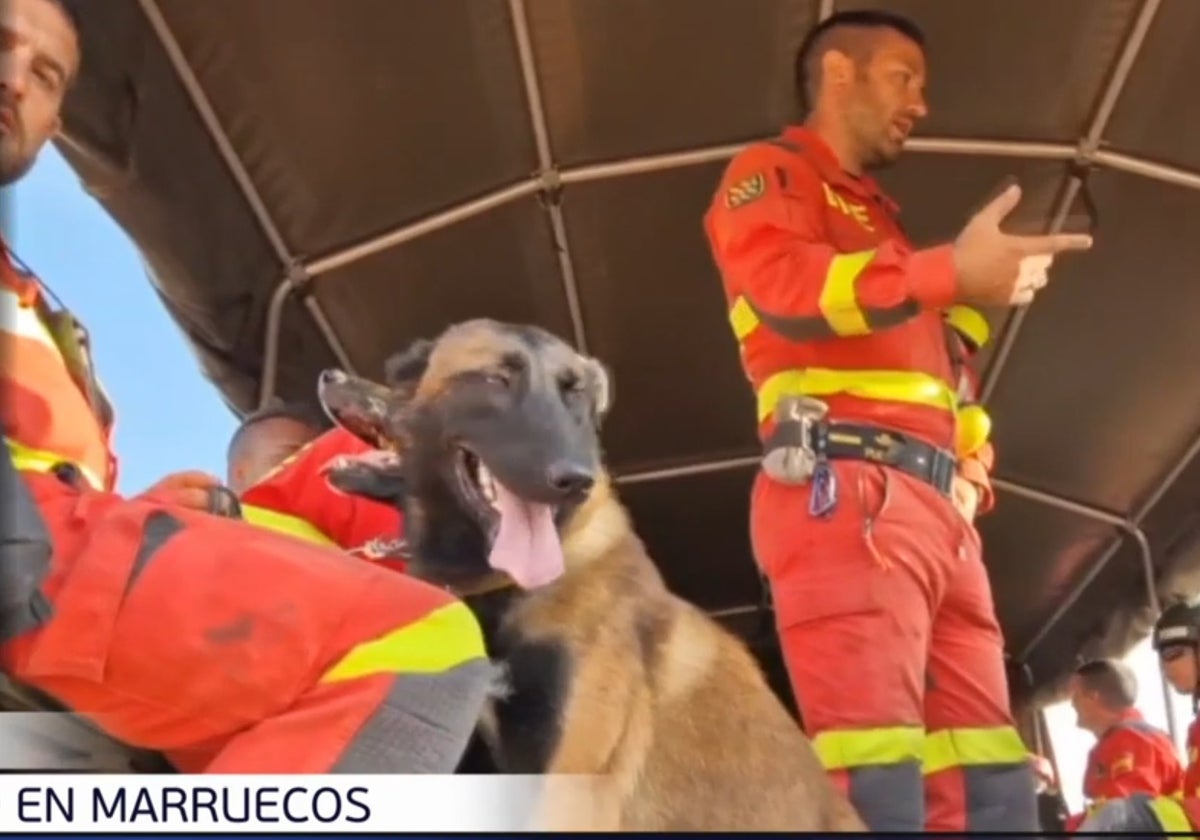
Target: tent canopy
[316,183]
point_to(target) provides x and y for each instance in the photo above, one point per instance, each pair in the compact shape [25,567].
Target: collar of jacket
[830,168]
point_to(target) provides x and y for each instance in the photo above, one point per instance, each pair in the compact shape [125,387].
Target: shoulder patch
[1123,764]
[746,190]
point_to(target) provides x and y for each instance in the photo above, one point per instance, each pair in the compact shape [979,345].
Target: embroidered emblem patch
[1124,764]
[745,191]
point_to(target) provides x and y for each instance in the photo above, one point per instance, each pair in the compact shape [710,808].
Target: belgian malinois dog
[490,436]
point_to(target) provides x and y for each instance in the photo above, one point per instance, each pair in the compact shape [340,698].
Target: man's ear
[376,475]
[358,405]
[598,384]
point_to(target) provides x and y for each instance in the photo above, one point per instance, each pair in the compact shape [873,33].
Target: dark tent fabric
[316,183]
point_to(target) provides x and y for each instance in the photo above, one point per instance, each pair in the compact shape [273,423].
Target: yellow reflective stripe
[969,323]
[1171,816]
[839,749]
[839,299]
[38,460]
[742,318]
[286,524]
[973,746]
[22,320]
[445,638]
[891,385]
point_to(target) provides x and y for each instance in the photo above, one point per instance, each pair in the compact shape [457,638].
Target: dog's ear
[376,475]
[598,384]
[358,405]
[404,370]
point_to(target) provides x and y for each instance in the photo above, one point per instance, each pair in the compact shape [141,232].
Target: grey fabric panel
[891,798]
[1000,798]
[423,725]
[25,552]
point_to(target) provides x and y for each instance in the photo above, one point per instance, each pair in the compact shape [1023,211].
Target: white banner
[72,803]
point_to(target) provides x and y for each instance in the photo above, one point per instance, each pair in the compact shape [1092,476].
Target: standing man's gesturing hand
[999,269]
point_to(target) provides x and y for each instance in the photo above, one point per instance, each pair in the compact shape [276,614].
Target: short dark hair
[817,42]
[68,12]
[72,17]
[1114,682]
[304,413]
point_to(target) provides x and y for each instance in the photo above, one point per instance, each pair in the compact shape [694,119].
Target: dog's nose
[568,478]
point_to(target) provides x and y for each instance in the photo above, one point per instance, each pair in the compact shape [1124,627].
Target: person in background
[1130,756]
[266,438]
[171,629]
[1176,638]
[277,462]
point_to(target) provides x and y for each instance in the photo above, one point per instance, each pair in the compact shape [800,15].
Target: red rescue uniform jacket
[827,296]
[298,488]
[1191,776]
[1131,757]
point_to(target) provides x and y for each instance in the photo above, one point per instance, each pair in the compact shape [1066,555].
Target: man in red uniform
[1130,755]
[882,601]
[276,464]
[172,629]
[1176,637]
[295,497]
[265,439]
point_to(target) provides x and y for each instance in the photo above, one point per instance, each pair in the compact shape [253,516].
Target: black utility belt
[851,441]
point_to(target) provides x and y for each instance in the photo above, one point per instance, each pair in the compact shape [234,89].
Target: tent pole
[552,180]
[1086,154]
[551,193]
[258,208]
[1135,530]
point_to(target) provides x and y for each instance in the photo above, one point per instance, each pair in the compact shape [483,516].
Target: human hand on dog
[188,489]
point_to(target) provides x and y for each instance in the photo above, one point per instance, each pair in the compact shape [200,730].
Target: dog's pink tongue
[526,547]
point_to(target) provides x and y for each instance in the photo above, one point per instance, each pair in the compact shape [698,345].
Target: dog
[651,715]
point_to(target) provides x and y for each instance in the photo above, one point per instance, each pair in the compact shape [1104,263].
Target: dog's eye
[570,383]
[497,378]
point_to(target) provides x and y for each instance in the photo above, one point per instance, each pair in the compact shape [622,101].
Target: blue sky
[169,417]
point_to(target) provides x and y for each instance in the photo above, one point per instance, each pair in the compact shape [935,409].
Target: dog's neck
[597,528]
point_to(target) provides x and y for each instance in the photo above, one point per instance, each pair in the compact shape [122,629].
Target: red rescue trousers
[238,650]
[885,617]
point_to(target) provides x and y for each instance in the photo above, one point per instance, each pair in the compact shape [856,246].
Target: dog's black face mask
[494,431]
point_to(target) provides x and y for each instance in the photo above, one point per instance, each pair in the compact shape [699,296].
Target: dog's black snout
[570,479]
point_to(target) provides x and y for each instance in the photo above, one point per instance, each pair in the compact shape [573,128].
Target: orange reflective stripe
[889,385]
